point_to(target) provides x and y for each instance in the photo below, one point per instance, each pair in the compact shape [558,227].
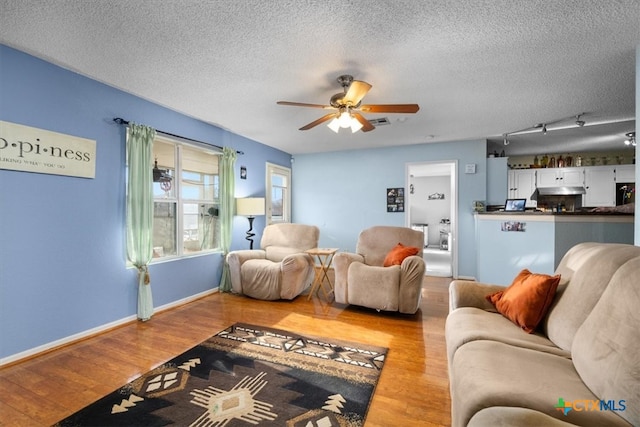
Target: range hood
[558,191]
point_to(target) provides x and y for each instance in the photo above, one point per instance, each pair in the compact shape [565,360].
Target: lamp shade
[250,206]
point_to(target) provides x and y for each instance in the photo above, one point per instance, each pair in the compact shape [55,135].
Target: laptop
[515,205]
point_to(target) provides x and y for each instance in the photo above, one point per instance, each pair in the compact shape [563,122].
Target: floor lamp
[250,207]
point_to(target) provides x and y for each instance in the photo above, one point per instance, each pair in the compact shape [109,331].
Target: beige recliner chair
[361,279]
[280,269]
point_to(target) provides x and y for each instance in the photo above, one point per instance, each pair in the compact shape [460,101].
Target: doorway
[432,207]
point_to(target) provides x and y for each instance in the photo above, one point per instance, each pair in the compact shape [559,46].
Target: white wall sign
[28,149]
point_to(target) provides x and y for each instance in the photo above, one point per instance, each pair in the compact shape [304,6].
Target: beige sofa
[585,352]
[361,278]
[280,269]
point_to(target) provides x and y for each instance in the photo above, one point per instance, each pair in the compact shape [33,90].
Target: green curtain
[140,211]
[227,210]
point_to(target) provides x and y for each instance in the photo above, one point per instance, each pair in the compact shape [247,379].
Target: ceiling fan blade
[389,108]
[366,124]
[357,90]
[320,120]
[302,104]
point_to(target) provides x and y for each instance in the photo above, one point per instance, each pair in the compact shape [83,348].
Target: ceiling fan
[349,107]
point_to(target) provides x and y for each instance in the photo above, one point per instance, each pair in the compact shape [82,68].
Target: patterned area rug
[248,375]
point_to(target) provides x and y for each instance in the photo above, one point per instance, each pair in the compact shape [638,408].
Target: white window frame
[273,169]
[179,200]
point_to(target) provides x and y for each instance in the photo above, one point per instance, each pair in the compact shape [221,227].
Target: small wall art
[513,226]
[243,172]
[395,199]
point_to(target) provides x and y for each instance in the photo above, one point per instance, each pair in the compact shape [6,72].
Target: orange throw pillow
[527,300]
[399,253]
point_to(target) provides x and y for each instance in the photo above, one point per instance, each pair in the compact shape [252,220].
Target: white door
[278,191]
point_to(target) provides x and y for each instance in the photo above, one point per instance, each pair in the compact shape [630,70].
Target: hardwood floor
[413,389]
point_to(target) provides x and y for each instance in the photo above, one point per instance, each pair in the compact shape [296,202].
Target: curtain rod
[121,121]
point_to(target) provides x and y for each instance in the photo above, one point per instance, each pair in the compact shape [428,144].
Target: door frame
[435,168]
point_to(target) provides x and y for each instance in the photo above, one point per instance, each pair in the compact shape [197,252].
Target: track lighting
[543,127]
[631,139]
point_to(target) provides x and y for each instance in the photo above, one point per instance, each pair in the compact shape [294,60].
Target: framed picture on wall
[395,199]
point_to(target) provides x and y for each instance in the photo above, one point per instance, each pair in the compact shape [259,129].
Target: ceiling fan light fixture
[355,125]
[334,125]
[345,119]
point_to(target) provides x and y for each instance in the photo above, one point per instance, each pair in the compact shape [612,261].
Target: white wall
[426,211]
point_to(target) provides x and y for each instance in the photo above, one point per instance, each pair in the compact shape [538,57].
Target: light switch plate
[470,168]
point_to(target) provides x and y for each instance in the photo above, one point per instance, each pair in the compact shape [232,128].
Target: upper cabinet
[522,184]
[600,186]
[560,177]
[625,173]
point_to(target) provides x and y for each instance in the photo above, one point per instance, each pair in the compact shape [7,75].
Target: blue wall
[62,251]
[344,192]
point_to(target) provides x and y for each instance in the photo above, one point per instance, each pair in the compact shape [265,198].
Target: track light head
[579,122]
[631,139]
[544,128]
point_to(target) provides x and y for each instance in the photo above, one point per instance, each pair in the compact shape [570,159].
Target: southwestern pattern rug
[248,375]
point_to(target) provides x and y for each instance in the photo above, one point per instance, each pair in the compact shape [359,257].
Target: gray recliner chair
[280,269]
[361,279]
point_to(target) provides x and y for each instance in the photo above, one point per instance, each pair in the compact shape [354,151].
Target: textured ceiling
[477,69]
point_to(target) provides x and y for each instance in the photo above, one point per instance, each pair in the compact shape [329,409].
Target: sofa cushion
[527,300]
[398,254]
[504,416]
[468,324]
[606,348]
[490,373]
[588,267]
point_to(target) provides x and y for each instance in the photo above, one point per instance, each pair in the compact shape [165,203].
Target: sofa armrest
[235,259]
[297,274]
[467,293]
[341,263]
[411,278]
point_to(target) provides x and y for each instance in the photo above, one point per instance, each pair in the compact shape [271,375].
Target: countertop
[579,213]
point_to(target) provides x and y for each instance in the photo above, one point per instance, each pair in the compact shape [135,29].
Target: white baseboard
[97,330]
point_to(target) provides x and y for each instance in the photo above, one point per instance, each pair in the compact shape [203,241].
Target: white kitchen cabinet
[625,173]
[522,184]
[600,186]
[560,177]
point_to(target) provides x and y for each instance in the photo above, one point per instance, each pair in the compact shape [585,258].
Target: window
[278,194]
[185,217]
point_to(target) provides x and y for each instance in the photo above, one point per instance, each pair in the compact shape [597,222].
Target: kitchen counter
[508,242]
[566,213]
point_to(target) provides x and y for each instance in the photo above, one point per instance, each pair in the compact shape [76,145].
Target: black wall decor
[395,199]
